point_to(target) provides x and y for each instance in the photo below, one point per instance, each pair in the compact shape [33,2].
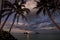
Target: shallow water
[37,36]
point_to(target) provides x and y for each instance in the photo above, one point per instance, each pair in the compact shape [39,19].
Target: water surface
[42,36]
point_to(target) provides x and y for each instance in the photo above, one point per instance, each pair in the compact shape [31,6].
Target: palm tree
[49,6]
[16,8]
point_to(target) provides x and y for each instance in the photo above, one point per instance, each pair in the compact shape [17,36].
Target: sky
[34,22]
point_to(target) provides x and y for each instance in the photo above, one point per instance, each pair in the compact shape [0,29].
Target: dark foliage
[49,6]
[11,8]
[4,35]
[43,5]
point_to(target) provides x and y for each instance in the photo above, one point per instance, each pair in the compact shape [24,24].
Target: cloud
[17,30]
[48,28]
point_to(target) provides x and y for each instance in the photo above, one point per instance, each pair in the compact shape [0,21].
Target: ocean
[32,36]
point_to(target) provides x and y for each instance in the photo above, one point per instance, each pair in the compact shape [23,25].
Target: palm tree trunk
[5,21]
[50,16]
[13,22]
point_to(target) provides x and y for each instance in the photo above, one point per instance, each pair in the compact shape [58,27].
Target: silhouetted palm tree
[49,6]
[15,7]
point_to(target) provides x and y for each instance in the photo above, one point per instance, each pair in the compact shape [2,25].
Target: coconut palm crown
[49,6]
[16,9]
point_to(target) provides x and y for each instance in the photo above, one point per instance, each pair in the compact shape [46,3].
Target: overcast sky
[39,21]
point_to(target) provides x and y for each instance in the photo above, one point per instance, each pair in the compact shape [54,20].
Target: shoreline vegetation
[4,35]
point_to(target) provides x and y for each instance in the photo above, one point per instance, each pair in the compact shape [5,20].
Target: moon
[30,4]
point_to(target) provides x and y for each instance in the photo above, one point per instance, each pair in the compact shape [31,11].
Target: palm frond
[53,10]
[23,1]
[4,10]
[38,4]
[44,11]
[40,9]
[26,9]
[24,17]
[3,15]
[7,4]
[18,18]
